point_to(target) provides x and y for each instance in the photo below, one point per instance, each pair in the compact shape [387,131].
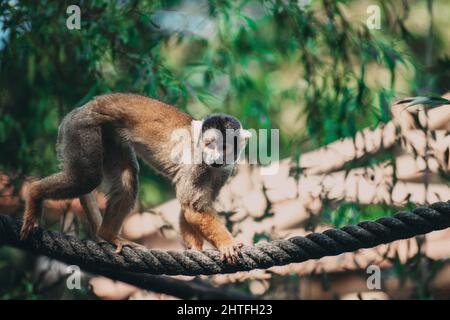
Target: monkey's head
[222,139]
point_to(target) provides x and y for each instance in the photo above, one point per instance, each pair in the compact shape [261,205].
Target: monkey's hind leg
[92,212]
[33,211]
[61,185]
[80,150]
[191,237]
[121,171]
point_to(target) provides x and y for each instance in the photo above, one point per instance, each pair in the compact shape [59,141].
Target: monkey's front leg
[191,237]
[208,224]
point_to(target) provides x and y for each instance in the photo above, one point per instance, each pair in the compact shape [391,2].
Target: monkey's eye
[208,142]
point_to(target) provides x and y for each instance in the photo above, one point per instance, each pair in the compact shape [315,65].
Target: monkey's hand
[231,252]
[209,226]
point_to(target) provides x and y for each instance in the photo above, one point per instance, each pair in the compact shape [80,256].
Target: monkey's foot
[28,227]
[120,242]
[231,252]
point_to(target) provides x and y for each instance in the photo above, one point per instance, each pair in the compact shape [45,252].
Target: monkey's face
[222,140]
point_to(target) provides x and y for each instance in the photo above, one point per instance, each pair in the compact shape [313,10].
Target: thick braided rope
[91,255]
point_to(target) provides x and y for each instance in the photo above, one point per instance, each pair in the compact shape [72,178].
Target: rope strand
[101,256]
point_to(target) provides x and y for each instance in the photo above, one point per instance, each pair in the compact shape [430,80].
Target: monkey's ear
[245,134]
[197,130]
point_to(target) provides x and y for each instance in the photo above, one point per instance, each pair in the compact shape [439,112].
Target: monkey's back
[131,110]
[146,124]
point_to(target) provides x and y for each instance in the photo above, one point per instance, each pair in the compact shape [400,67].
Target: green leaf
[251,23]
[427,101]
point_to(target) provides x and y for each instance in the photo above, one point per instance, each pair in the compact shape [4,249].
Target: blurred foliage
[310,68]
[274,64]
[14,278]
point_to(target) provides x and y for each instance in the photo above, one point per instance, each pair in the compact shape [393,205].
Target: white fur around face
[211,145]
[196,130]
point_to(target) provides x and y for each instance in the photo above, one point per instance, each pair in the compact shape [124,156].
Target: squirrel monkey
[100,140]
